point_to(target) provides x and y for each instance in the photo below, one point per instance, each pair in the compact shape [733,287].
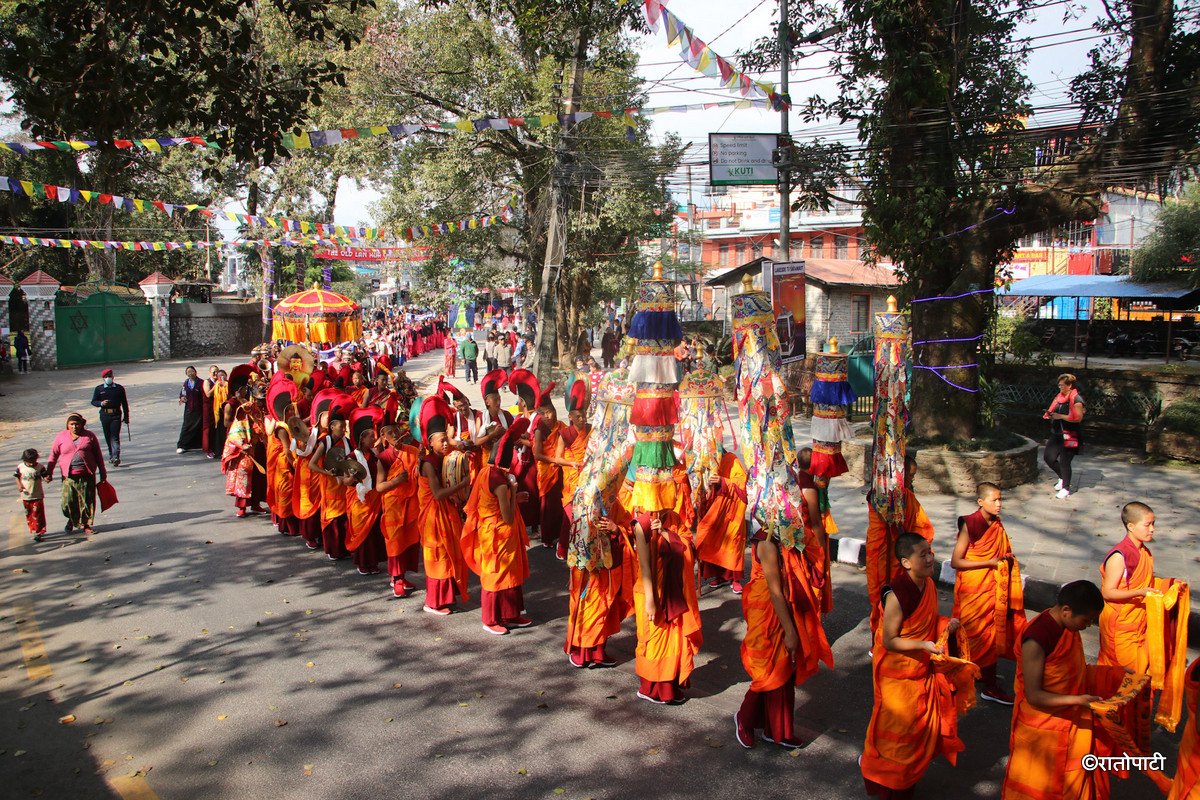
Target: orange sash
[441,528]
[990,603]
[492,548]
[399,520]
[721,533]
[361,516]
[574,452]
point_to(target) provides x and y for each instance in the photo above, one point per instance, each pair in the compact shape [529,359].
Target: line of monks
[462,490]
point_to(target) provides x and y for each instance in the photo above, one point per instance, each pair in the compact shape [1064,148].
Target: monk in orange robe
[1144,624]
[306,485]
[988,600]
[1053,726]
[784,642]
[568,455]
[331,449]
[493,420]
[281,478]
[915,713]
[665,604]
[525,386]
[881,540]
[439,518]
[494,540]
[721,531]
[600,598]
[1186,785]
[396,481]
[364,506]
[816,538]
[546,436]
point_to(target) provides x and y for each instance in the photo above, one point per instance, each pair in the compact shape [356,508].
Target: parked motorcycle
[1182,348]
[1118,343]
[1147,345]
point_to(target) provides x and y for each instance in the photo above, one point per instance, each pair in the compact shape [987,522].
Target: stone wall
[214,329]
[951,472]
[827,313]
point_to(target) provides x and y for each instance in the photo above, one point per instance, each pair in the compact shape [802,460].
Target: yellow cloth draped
[441,529]
[317,329]
[220,394]
[990,603]
[721,532]
[881,542]
[574,452]
[493,549]
[548,474]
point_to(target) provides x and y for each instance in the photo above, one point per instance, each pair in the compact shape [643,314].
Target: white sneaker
[1063,494]
[178,450]
[1058,486]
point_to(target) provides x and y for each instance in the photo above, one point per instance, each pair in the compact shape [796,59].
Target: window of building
[741,253]
[860,313]
[818,246]
[723,258]
[757,250]
[841,246]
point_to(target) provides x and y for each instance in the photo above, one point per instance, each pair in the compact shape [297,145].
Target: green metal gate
[102,328]
[862,376]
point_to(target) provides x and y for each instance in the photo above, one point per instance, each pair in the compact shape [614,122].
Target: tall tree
[949,177]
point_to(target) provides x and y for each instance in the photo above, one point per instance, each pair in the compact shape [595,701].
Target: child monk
[881,539]
[721,531]
[364,505]
[816,538]
[525,386]
[439,518]
[988,600]
[494,540]
[396,480]
[1186,785]
[601,598]
[568,454]
[915,717]
[1052,726]
[332,448]
[784,641]
[546,435]
[1127,639]
[306,485]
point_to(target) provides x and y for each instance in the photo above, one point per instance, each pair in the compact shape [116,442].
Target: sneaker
[716,583]
[37,537]
[745,738]
[576,664]
[1058,485]
[402,588]
[560,553]
[1063,494]
[241,512]
[178,450]
[69,527]
[519,622]
[736,587]
[312,546]
[650,699]
[994,694]
[496,630]
[789,744]
[210,456]
[116,462]
[441,612]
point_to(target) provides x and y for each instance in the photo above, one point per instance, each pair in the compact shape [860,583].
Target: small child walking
[29,475]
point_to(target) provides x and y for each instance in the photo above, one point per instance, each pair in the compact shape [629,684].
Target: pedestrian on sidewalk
[76,453]
[489,352]
[1065,413]
[28,475]
[470,357]
[23,351]
[191,397]
[110,398]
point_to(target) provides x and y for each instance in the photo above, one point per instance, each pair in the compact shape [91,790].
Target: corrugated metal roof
[1095,286]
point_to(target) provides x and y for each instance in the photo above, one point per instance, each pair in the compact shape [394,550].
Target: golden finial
[891,301]
[833,344]
[747,283]
[658,271]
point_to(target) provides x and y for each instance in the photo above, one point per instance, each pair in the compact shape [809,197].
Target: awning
[1120,286]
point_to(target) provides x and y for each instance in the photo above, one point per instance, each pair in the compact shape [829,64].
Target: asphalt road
[203,656]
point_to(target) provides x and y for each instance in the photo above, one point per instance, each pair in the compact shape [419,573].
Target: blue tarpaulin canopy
[1121,286]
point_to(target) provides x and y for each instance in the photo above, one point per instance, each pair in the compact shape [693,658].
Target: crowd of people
[339,449]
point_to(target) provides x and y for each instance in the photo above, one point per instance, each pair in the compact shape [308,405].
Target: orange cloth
[683,503]
[1187,771]
[307,488]
[358,395]
[493,549]
[881,556]
[1128,639]
[441,529]
[400,509]
[600,600]
[914,718]
[665,650]
[333,494]
[280,478]
[361,516]
[574,452]
[548,474]
[721,533]
[763,655]
[990,603]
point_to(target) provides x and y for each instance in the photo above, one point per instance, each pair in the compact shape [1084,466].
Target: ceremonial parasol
[317,315]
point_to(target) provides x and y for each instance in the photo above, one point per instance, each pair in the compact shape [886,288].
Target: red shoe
[496,630]
[241,512]
[995,694]
[441,612]
[737,587]
[258,509]
[402,588]
[561,553]
[519,622]
[580,664]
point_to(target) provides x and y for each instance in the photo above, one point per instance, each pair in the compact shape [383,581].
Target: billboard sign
[742,159]
[787,301]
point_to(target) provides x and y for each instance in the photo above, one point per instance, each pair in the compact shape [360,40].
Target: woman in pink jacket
[76,452]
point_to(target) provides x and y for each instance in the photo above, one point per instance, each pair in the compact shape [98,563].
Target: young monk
[1052,726]
[364,505]
[525,386]
[493,420]
[988,599]
[396,481]
[546,436]
[1186,785]
[1126,637]
[721,531]
[281,469]
[330,449]
[494,540]
[816,538]
[306,485]
[881,540]
[439,518]
[915,714]
[664,600]
[569,452]
[784,641]
[601,598]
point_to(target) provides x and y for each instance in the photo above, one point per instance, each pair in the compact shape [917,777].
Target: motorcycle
[1182,348]
[1118,343]
[1147,345]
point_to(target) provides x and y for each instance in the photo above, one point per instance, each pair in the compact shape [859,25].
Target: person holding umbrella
[110,398]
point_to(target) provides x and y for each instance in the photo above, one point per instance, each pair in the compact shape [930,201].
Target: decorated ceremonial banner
[702,417]
[831,395]
[891,414]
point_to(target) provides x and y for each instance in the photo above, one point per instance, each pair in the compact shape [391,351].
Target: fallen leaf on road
[310,664]
[67,720]
[560,790]
[308,612]
[208,541]
[212,763]
[85,659]
[183,679]
[308,770]
[522,771]
[128,683]
[463,704]
[397,685]
[204,631]
[390,719]
[714,742]
[22,569]
[542,705]
[795,754]
[653,751]
[279,723]
[222,716]
[18,753]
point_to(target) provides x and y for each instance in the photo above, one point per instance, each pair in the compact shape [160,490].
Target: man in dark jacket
[110,398]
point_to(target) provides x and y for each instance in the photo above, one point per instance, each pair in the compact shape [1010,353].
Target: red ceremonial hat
[524,384]
[240,375]
[577,394]
[106,373]
[324,401]
[504,450]
[435,417]
[544,398]
[319,379]
[448,390]
[281,395]
[364,419]
[493,382]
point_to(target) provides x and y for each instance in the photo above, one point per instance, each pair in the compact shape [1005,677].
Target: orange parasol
[317,315]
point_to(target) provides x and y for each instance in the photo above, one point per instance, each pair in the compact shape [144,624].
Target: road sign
[740,159]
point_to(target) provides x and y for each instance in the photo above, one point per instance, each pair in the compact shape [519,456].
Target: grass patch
[1182,416]
[992,441]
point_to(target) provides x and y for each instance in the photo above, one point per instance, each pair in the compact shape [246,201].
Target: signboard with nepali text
[742,159]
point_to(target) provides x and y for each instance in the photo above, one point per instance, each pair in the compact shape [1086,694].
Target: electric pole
[784,163]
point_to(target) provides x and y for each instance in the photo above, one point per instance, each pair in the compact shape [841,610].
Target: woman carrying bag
[1065,414]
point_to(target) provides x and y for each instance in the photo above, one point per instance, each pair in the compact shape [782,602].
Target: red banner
[365,253]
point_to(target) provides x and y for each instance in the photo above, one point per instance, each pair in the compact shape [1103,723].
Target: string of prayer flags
[154,144]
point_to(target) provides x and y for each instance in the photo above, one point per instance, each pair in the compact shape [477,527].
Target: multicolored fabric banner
[700,57]
[153,144]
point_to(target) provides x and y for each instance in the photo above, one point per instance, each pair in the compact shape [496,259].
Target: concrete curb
[1039,594]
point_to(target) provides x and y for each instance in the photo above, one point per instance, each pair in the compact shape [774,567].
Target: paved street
[203,656]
